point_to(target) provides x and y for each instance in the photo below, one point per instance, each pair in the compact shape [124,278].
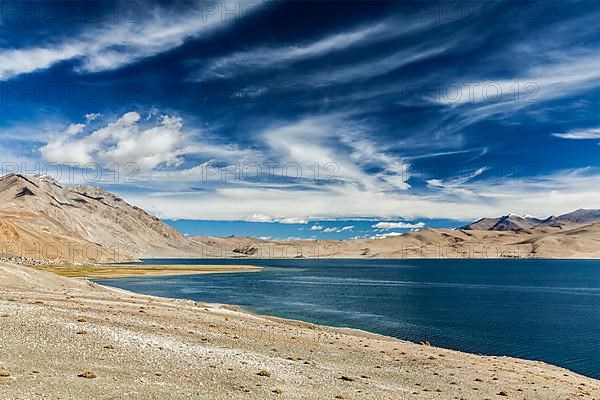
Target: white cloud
[546,195]
[548,81]
[462,178]
[14,62]
[115,45]
[74,129]
[271,219]
[122,141]
[258,218]
[398,225]
[92,116]
[269,57]
[386,235]
[293,220]
[317,141]
[338,230]
[562,76]
[592,133]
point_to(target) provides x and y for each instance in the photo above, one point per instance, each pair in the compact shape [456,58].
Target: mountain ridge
[512,222]
[42,221]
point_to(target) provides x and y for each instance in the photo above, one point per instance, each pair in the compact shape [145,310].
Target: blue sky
[328,113]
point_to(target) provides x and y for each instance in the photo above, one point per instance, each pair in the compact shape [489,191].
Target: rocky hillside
[517,223]
[573,235]
[43,220]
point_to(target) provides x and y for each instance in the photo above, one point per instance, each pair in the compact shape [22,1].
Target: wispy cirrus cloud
[113,45]
[281,56]
[547,195]
[264,57]
[580,134]
[339,146]
[569,75]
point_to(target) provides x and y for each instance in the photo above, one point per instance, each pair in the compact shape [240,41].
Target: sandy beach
[71,339]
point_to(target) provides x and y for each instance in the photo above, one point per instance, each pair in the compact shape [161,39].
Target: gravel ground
[62,338]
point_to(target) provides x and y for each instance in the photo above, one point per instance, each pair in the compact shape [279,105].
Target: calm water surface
[546,310]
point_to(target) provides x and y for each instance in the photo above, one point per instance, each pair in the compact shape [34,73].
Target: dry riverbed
[70,339]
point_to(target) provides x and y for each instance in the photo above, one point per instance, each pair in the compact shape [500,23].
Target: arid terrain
[570,240]
[43,222]
[67,338]
[71,339]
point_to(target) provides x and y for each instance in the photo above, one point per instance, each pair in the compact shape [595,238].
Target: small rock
[4,374]
[347,378]
[264,373]
[81,319]
[503,393]
[87,375]
[278,391]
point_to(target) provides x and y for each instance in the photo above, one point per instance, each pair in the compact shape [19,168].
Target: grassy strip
[133,270]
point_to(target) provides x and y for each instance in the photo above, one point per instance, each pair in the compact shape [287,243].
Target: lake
[547,310]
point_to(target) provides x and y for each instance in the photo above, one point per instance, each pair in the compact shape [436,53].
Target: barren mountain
[581,242]
[514,222]
[580,216]
[43,221]
[40,219]
[508,239]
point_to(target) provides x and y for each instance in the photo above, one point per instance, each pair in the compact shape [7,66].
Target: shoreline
[56,329]
[346,329]
[131,270]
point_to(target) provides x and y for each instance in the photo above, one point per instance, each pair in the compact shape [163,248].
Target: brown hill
[40,219]
[581,242]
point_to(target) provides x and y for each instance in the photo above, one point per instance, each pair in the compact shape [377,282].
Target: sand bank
[139,270]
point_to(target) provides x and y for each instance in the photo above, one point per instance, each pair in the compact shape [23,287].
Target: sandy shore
[138,270]
[70,339]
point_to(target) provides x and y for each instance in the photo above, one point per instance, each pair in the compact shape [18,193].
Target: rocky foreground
[70,339]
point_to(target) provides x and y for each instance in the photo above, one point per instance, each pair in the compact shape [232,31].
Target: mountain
[509,222]
[41,219]
[438,243]
[517,223]
[581,216]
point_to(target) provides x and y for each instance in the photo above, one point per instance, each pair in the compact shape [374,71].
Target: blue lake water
[546,310]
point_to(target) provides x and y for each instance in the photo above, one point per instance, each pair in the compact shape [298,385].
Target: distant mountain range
[42,221]
[512,222]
